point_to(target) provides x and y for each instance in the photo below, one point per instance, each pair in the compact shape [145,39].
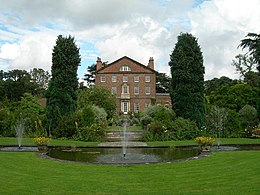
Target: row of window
[125,79]
[137,107]
[125,90]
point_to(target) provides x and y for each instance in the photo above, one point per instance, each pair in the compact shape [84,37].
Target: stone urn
[42,148]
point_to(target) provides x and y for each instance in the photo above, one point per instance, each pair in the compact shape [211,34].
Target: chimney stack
[151,63]
[99,63]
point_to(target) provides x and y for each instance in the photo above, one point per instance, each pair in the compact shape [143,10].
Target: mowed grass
[58,142]
[192,142]
[53,142]
[236,172]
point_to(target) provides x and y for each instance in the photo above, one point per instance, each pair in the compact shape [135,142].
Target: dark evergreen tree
[187,70]
[61,93]
[90,76]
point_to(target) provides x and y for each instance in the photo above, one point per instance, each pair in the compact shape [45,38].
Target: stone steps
[118,136]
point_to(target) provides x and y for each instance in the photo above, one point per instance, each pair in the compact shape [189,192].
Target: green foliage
[182,129]
[252,42]
[234,97]
[244,64]
[88,116]
[95,132]
[32,113]
[90,76]
[233,125]
[163,83]
[248,115]
[159,113]
[41,78]
[145,120]
[155,132]
[217,83]
[16,83]
[6,120]
[216,118]
[98,96]
[67,126]
[187,70]
[100,114]
[61,94]
[179,129]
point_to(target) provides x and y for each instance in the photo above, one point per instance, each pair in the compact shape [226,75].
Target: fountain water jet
[124,140]
[19,128]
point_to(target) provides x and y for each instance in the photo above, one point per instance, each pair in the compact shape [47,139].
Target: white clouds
[138,29]
[220,25]
[9,51]
[33,50]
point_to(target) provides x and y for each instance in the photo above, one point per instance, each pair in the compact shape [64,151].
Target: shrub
[95,132]
[256,133]
[6,119]
[233,125]
[145,120]
[155,132]
[248,116]
[182,129]
[87,116]
[41,140]
[67,126]
[160,113]
[99,113]
[205,141]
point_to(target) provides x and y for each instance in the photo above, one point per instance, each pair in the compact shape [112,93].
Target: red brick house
[132,83]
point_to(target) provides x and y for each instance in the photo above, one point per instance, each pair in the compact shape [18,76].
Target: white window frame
[147,90]
[102,79]
[125,68]
[136,107]
[136,90]
[113,79]
[147,78]
[125,79]
[123,89]
[136,79]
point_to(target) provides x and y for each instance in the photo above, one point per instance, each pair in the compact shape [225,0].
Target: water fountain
[124,139]
[19,128]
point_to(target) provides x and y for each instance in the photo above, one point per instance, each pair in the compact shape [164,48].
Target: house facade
[133,83]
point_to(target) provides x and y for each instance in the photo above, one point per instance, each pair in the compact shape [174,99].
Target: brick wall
[105,75]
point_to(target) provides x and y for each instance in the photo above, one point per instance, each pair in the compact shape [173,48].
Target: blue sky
[115,28]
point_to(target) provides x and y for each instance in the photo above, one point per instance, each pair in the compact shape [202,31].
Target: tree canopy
[186,62]
[61,94]
[252,42]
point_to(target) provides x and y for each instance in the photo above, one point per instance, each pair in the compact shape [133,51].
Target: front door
[125,107]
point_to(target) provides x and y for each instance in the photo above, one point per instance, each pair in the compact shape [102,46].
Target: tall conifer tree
[61,94]
[187,70]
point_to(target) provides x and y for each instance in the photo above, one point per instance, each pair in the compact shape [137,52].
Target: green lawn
[53,142]
[236,172]
[192,142]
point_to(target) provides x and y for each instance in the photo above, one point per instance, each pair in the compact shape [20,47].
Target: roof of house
[130,59]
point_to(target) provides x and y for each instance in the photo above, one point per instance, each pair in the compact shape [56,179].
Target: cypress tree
[187,70]
[61,94]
